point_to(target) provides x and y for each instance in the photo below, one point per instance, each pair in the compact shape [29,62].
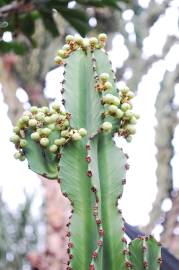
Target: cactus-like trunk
[77,147]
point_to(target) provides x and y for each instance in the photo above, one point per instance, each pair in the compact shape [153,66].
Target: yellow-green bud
[102,37]
[35,136]
[58,60]
[76,136]
[116,101]
[27,113]
[32,122]
[104,77]
[69,38]
[16,130]
[25,119]
[113,109]
[17,155]
[108,86]
[61,53]
[82,132]
[106,126]
[44,109]
[44,142]
[45,131]
[40,116]
[129,138]
[60,141]
[128,113]
[93,41]
[66,47]
[125,90]
[131,129]
[133,120]
[53,148]
[78,39]
[55,106]
[15,138]
[65,133]
[130,94]
[23,143]
[125,107]
[119,114]
[34,109]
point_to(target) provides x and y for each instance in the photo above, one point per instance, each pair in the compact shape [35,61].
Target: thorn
[68,224]
[68,234]
[63,101]
[127,166]
[94,254]
[128,264]
[65,194]
[160,260]
[120,211]
[91,267]
[98,221]
[87,147]
[145,264]
[93,189]
[68,250]
[125,252]
[70,245]
[100,243]
[89,173]
[123,181]
[126,155]
[144,248]
[88,159]
[124,240]
[101,232]
[71,256]
[123,229]
[62,91]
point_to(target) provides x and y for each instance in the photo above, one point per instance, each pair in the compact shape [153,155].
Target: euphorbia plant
[76,147]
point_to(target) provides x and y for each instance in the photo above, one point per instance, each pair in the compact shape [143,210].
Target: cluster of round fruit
[104,84]
[121,108]
[76,42]
[42,122]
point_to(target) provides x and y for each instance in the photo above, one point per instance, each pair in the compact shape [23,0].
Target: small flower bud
[66,47]
[128,113]
[27,113]
[119,114]
[25,119]
[125,90]
[85,43]
[61,53]
[131,129]
[32,122]
[23,143]
[125,107]
[17,155]
[113,109]
[35,136]
[104,77]
[16,130]
[93,41]
[40,116]
[46,131]
[53,148]
[102,37]
[130,95]
[64,133]
[44,142]
[78,39]
[58,60]
[69,38]
[15,138]
[108,86]
[34,109]
[82,132]
[76,136]
[116,101]
[55,106]
[133,120]
[129,138]
[60,141]
[44,109]
[106,126]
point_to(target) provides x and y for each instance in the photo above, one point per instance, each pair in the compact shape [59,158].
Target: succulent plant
[76,147]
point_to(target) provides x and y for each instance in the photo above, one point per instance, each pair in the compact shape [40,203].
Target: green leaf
[77,18]
[49,22]
[27,24]
[13,46]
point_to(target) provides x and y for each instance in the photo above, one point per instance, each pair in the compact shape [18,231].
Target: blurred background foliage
[30,34]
